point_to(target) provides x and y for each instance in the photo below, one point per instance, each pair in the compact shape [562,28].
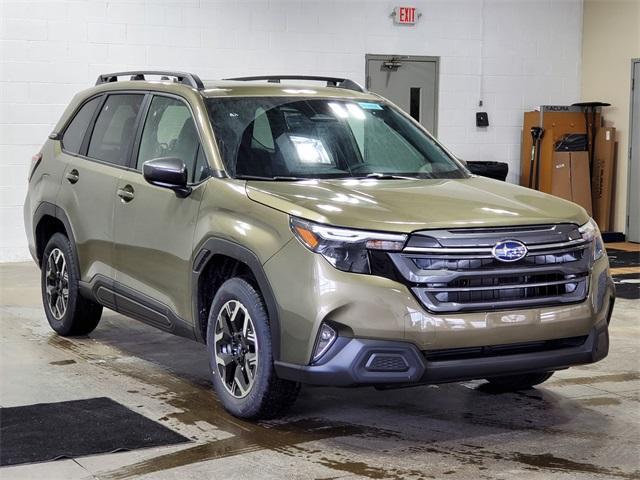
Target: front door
[154,228]
[411,82]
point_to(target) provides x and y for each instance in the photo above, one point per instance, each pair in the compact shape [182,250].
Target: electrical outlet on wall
[482,119]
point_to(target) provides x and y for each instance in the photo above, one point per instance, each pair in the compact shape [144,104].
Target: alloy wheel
[57,283]
[236,349]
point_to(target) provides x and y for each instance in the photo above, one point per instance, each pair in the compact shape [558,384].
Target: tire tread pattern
[82,315]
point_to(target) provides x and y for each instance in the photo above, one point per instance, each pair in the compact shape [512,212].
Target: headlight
[591,233]
[343,248]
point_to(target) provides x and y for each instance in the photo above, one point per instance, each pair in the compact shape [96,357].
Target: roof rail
[331,81]
[181,77]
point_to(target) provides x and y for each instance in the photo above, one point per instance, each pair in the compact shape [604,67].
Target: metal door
[410,82]
[633,211]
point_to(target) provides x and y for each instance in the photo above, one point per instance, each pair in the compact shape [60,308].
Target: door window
[74,134]
[114,129]
[169,131]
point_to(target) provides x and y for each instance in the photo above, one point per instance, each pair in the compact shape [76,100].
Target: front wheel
[240,354]
[511,383]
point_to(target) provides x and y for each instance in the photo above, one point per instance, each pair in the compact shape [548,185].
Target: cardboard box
[557,122]
[570,178]
[561,184]
[602,177]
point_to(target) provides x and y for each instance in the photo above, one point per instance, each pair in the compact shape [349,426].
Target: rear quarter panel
[44,186]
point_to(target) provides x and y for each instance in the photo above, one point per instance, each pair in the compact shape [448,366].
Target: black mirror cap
[167,172]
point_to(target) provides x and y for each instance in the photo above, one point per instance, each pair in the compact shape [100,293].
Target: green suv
[306,235]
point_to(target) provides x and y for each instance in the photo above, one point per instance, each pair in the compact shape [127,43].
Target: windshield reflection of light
[356,111]
[339,110]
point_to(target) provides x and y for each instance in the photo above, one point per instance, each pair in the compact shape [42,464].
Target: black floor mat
[622,258]
[48,431]
[627,285]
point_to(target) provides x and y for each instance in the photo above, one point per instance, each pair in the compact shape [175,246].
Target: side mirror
[167,172]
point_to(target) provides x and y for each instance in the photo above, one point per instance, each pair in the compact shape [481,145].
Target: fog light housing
[326,336]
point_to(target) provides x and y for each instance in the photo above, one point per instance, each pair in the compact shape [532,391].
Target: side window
[114,129]
[169,131]
[74,133]
[262,136]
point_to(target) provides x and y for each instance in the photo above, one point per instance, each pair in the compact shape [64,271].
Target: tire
[241,356]
[59,275]
[512,383]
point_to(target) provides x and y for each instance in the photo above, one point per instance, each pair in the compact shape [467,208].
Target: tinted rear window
[74,134]
[114,129]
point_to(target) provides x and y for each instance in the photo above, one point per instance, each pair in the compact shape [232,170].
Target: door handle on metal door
[126,193]
[72,176]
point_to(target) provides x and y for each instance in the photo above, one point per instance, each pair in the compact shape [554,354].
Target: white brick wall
[527,50]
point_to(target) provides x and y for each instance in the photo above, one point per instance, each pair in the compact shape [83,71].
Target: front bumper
[309,291]
[360,362]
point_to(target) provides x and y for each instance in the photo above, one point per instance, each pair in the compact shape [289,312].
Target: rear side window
[114,129]
[74,134]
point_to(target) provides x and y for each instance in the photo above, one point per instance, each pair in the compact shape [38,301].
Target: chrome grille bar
[546,246]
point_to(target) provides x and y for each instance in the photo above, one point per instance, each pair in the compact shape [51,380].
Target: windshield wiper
[387,176]
[275,178]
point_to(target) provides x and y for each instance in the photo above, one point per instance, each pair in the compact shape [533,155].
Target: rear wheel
[67,311]
[240,354]
[511,383]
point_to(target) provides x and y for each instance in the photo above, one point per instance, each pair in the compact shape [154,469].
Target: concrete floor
[583,423]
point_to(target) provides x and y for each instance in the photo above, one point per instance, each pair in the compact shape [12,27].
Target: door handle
[126,193]
[73,176]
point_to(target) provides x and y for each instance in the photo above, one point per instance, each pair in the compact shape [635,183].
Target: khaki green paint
[409,205]
[150,243]
[153,238]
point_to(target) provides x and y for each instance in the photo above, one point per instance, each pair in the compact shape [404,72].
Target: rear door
[97,144]
[154,228]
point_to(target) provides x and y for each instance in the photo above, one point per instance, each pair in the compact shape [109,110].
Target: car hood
[409,205]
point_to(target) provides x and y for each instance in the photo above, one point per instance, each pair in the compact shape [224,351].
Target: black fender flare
[219,246]
[49,209]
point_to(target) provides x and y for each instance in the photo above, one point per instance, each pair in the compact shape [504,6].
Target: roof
[230,88]
[263,85]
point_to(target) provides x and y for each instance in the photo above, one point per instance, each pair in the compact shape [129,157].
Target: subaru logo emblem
[509,251]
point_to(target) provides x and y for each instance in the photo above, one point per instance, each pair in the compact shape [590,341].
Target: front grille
[455,263]
[499,350]
[451,271]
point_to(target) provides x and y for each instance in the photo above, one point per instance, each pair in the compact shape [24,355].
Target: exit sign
[405,15]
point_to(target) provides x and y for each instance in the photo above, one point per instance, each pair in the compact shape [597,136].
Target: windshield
[281,138]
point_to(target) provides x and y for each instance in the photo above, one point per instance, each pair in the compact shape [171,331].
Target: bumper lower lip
[359,362]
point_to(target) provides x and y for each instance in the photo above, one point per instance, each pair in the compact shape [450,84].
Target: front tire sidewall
[250,405]
[64,325]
